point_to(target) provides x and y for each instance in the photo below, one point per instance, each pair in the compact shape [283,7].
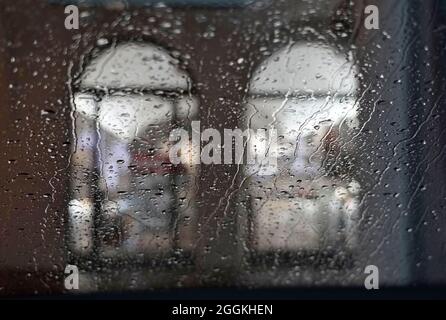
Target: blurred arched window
[126,197]
[308,201]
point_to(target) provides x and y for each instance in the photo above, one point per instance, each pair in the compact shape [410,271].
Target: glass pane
[221,144]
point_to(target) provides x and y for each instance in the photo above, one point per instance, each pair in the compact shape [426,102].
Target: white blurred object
[80,218]
[306,91]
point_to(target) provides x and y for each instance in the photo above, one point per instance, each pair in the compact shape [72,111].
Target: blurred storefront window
[127,198]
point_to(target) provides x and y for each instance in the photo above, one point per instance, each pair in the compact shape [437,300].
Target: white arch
[303,91]
[112,123]
[132,65]
[135,65]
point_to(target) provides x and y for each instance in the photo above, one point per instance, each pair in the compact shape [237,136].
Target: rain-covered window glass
[127,198]
[307,200]
[217,144]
